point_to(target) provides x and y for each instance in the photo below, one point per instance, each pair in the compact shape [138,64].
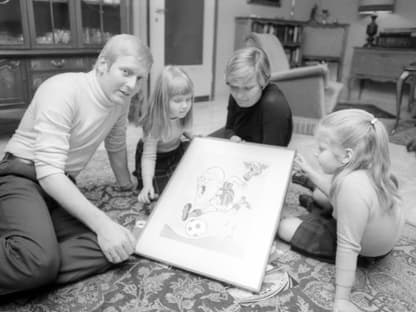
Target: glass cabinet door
[11,23]
[100,20]
[51,19]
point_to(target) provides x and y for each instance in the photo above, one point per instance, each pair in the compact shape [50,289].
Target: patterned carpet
[144,285]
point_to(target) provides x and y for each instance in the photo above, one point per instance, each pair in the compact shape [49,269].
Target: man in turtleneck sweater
[49,232]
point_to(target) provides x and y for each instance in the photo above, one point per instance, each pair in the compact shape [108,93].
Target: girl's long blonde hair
[367,137]
[155,120]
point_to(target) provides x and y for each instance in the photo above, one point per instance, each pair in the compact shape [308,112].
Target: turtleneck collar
[102,99]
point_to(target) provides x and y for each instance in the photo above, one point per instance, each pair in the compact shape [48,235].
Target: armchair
[308,90]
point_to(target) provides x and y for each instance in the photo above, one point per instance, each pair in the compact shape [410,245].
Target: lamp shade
[373,6]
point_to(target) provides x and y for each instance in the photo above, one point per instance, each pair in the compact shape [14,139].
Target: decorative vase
[371,31]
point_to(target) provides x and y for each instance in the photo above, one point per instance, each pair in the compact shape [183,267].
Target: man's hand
[116,242]
[411,146]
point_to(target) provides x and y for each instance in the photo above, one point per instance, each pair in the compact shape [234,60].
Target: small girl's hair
[155,120]
[247,63]
[367,137]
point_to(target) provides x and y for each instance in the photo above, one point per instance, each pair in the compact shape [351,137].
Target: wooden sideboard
[378,64]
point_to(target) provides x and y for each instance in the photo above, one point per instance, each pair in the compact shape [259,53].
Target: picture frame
[277,3]
[219,212]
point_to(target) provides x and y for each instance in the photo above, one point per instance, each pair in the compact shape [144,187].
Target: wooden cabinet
[378,64]
[41,68]
[41,38]
[14,28]
[289,32]
[45,24]
[12,83]
[52,23]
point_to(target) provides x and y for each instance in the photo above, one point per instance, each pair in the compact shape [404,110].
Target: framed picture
[266,2]
[219,213]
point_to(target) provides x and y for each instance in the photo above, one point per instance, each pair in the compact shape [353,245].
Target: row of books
[293,56]
[287,34]
[397,40]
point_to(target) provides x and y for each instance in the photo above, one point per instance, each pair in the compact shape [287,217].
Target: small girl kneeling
[165,121]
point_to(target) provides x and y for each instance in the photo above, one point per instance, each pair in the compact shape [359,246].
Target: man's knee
[46,267]
[28,264]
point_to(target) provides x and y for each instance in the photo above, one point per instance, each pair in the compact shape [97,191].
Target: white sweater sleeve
[116,139]
[52,126]
[352,208]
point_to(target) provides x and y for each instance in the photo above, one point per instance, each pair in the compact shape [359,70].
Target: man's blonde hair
[126,45]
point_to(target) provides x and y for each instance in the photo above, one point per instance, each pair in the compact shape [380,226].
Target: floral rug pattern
[145,285]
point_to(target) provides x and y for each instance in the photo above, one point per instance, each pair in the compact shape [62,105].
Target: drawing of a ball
[195,227]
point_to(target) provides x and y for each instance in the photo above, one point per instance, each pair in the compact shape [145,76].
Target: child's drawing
[219,213]
[219,206]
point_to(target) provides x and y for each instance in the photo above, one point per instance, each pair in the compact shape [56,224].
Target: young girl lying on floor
[366,220]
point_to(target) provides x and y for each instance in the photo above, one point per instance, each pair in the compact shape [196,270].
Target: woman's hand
[146,195]
[344,305]
[236,138]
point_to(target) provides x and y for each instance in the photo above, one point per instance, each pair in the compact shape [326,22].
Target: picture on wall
[219,213]
[266,2]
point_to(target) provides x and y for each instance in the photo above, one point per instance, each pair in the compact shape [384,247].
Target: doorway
[181,32]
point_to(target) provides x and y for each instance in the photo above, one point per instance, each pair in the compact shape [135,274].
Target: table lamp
[372,8]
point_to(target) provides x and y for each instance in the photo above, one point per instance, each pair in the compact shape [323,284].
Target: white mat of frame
[219,213]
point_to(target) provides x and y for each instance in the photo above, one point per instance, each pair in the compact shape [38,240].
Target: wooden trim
[202,98]
[277,3]
[21,52]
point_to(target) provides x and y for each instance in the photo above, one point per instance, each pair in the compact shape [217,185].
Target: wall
[227,11]
[344,11]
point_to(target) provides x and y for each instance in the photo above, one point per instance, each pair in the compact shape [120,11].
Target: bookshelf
[289,32]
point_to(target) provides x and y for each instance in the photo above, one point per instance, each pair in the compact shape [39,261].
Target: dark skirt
[166,164]
[316,237]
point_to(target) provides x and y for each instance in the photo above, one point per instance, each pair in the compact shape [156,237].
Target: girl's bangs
[180,86]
